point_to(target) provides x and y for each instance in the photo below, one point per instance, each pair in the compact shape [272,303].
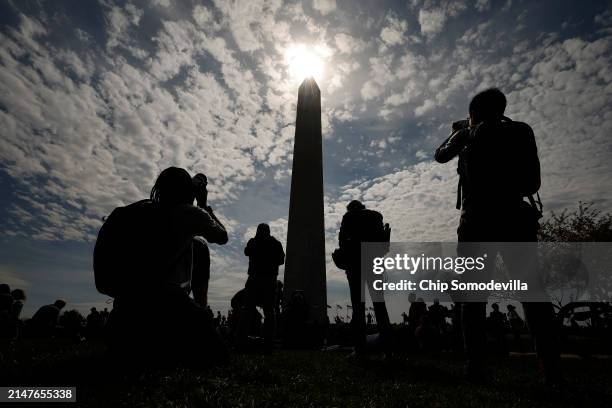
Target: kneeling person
[265,254]
[153,315]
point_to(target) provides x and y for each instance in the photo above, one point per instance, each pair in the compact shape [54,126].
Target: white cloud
[604,19]
[483,5]
[119,20]
[425,107]
[431,21]
[103,145]
[244,18]
[418,202]
[348,44]
[87,126]
[393,31]
[162,3]
[204,17]
[371,90]
[381,74]
[421,154]
[324,6]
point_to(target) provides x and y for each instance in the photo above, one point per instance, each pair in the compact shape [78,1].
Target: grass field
[302,379]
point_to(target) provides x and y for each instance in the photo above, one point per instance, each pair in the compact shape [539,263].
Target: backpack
[127,249]
[370,228]
[528,171]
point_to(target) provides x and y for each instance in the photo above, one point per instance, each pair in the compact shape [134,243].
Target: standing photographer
[360,225]
[498,166]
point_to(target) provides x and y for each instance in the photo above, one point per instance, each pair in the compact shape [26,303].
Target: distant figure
[237,302]
[265,254]
[209,313]
[369,318]
[11,305]
[427,335]
[404,318]
[217,321]
[437,315]
[498,323]
[230,318]
[15,323]
[6,300]
[516,326]
[105,314]
[95,323]
[496,316]
[498,166]
[297,322]
[363,225]
[417,310]
[153,318]
[45,320]
[456,330]
[71,325]
[6,305]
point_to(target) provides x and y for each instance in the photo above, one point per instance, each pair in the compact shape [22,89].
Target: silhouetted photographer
[265,254]
[360,224]
[498,168]
[144,259]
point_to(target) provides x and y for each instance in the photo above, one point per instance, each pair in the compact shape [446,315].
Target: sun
[306,61]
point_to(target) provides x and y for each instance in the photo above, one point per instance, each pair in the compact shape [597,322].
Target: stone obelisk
[305,262]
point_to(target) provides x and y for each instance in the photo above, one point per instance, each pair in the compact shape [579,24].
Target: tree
[572,270]
[584,224]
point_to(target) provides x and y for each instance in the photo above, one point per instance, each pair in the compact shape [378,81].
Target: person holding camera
[498,167]
[149,256]
[360,224]
[266,255]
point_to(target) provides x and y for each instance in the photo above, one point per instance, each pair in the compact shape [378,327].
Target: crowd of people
[49,321]
[152,258]
[429,328]
[54,321]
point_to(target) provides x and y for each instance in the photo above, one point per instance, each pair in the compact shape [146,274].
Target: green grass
[302,379]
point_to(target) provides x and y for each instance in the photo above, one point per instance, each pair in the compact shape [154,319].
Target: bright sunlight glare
[303,61]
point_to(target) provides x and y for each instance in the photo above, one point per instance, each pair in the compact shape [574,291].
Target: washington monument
[305,263]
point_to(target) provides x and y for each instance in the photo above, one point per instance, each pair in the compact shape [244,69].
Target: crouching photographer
[149,256]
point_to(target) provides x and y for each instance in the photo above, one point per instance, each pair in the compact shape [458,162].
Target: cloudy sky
[97,97]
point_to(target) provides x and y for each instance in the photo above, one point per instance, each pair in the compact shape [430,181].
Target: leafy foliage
[583,224]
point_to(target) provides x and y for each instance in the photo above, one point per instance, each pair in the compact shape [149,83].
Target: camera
[461,124]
